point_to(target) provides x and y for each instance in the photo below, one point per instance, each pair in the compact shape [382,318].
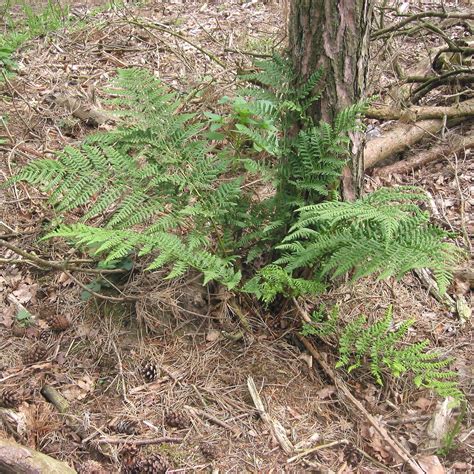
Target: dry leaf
[431,465]
[26,293]
[6,316]
[326,392]
[381,450]
[423,403]
[213,335]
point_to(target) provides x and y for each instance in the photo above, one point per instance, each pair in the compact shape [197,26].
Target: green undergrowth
[382,347]
[241,195]
[219,190]
[29,24]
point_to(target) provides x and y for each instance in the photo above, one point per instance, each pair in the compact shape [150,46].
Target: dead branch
[398,139]
[465,74]
[215,420]
[55,398]
[415,114]
[53,264]
[18,459]
[436,153]
[165,29]
[139,442]
[420,16]
[403,136]
[273,424]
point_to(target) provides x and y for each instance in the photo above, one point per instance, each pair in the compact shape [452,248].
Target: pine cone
[130,459]
[36,353]
[209,451]
[150,372]
[177,419]
[129,427]
[44,335]
[58,322]
[9,399]
[154,464]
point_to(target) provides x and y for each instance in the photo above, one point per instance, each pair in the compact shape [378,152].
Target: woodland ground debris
[210,375]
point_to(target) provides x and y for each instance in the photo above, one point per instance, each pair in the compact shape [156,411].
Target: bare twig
[140,441]
[316,448]
[275,426]
[165,29]
[215,420]
[420,16]
[55,264]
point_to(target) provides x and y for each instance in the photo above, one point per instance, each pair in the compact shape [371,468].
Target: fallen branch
[404,136]
[215,420]
[18,459]
[420,16]
[53,264]
[139,442]
[165,29]
[437,81]
[436,153]
[397,140]
[415,114]
[316,448]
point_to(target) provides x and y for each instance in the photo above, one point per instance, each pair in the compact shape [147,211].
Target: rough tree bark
[334,35]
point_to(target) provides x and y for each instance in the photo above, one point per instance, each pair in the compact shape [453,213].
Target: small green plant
[379,346]
[24,318]
[449,441]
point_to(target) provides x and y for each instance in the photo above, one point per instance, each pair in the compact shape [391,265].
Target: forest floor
[95,363]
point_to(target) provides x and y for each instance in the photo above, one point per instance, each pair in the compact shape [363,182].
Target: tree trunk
[334,35]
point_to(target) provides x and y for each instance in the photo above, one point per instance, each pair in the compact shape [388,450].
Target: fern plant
[150,186]
[173,185]
[379,346]
[384,232]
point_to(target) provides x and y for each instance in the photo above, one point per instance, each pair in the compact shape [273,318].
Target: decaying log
[456,145]
[18,459]
[415,114]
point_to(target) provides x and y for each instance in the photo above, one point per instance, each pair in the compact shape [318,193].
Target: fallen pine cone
[35,353]
[58,322]
[129,427]
[210,451]
[130,457]
[150,372]
[177,419]
[154,464]
[9,399]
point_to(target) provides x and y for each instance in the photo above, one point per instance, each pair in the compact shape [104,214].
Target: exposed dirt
[203,354]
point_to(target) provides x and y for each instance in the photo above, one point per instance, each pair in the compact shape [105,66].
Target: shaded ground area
[195,337]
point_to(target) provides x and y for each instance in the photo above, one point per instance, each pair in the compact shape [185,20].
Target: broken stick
[275,426]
